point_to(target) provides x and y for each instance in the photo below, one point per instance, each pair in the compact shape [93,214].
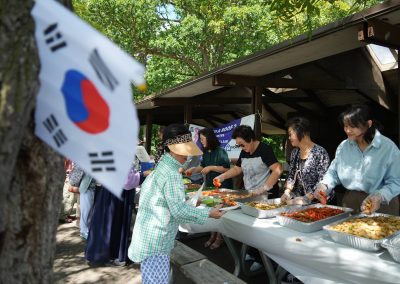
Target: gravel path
[70,265]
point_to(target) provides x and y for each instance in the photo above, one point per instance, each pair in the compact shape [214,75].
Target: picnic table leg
[280,273]
[269,268]
[234,253]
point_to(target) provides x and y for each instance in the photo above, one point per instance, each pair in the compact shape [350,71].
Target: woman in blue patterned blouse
[308,163]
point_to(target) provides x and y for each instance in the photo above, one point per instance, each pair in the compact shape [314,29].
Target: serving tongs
[193,200]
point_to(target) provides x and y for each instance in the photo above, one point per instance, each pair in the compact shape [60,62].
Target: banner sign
[224,134]
[84,107]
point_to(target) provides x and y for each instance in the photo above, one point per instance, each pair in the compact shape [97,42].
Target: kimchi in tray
[313,217]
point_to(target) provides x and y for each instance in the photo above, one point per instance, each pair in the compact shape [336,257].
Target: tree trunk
[31,173]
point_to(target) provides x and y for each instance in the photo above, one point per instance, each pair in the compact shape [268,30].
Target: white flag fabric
[84,107]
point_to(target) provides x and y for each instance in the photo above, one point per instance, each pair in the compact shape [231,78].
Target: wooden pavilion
[353,60]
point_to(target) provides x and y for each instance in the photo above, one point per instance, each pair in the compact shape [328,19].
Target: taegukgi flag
[84,107]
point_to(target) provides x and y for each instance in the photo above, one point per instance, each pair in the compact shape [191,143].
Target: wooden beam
[285,99]
[218,119]
[274,114]
[234,80]
[381,33]
[294,105]
[257,110]
[273,123]
[199,101]
[366,96]
[315,99]
[269,81]
[187,114]
[211,122]
[234,115]
[149,127]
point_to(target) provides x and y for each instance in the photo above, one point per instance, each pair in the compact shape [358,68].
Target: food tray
[392,244]
[313,226]
[352,240]
[258,213]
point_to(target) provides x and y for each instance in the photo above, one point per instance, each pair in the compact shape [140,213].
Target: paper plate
[230,208]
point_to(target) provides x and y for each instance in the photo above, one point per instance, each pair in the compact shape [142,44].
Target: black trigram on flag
[102,71]
[52,127]
[54,38]
[102,161]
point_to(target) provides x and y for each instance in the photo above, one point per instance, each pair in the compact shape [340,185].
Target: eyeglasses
[240,145]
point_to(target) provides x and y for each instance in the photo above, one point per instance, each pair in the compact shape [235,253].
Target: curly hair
[245,132]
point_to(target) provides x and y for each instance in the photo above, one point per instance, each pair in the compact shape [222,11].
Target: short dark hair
[245,132]
[212,140]
[357,116]
[300,125]
[173,130]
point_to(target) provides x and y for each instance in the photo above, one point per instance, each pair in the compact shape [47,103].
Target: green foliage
[314,13]
[177,40]
[277,142]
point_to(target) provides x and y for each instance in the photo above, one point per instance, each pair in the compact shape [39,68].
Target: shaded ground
[70,265]
[221,257]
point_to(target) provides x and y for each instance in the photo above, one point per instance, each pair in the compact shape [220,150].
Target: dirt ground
[70,266]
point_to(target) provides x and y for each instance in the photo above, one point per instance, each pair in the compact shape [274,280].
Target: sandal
[68,220]
[210,240]
[217,243]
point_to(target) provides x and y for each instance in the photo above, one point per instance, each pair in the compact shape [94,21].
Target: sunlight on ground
[70,266]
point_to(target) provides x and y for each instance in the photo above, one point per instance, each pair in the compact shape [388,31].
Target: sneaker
[83,236]
[249,257]
[116,262]
[255,266]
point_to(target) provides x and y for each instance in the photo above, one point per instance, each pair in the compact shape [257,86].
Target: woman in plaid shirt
[162,207]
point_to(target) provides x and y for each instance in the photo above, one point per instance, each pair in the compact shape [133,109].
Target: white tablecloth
[311,257]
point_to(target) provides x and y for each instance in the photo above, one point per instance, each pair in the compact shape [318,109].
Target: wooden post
[256,105]
[149,127]
[187,114]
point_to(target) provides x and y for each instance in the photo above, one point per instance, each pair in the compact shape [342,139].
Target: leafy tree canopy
[179,39]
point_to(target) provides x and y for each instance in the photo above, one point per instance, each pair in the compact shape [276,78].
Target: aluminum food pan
[352,240]
[258,213]
[392,244]
[225,190]
[313,226]
[255,198]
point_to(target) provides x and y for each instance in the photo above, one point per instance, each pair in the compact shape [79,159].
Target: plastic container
[144,166]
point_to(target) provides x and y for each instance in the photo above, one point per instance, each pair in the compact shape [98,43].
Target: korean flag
[85,108]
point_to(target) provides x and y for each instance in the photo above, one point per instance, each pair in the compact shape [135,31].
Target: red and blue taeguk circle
[85,106]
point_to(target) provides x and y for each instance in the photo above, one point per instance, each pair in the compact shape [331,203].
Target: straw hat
[183,145]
